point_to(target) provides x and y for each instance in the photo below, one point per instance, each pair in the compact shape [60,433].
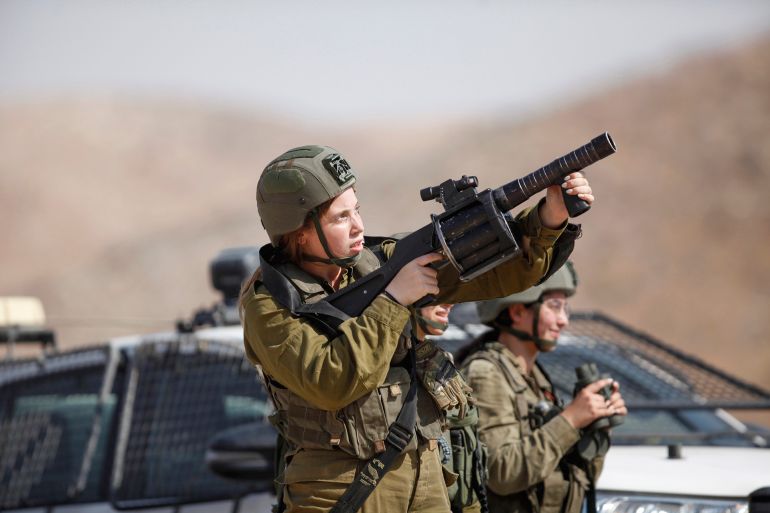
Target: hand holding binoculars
[589,373]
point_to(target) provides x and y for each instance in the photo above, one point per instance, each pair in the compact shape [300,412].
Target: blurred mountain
[111,208]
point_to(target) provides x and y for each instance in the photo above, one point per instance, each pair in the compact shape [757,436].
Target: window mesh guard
[672,397]
[652,374]
[47,412]
[179,394]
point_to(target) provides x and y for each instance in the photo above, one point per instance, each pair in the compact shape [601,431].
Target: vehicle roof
[229,334]
[719,472]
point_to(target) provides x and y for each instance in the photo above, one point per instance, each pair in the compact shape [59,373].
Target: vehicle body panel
[715,472]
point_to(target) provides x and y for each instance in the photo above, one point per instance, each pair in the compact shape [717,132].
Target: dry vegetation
[110,209]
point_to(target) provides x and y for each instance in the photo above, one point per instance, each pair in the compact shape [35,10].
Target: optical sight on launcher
[473,233]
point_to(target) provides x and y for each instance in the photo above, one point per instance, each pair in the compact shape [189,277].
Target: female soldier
[532,465]
[338,392]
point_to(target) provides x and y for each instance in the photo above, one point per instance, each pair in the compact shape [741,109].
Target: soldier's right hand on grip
[415,280]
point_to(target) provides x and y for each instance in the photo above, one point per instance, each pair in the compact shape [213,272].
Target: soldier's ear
[515,311]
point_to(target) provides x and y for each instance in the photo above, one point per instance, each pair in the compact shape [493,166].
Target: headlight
[609,503]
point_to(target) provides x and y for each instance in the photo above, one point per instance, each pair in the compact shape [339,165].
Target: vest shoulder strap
[321,313]
[512,376]
[515,381]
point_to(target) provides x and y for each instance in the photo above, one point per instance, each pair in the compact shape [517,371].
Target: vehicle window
[179,395]
[48,412]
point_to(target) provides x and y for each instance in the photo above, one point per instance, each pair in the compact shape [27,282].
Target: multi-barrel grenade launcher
[474,232]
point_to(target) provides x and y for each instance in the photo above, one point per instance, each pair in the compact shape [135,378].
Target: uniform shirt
[519,458]
[333,372]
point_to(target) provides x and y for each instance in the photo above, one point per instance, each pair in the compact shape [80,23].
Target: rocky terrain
[111,208]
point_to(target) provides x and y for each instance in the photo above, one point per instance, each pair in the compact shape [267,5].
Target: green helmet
[563,280]
[298,182]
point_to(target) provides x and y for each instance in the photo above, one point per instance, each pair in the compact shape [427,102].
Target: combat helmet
[295,185]
[563,280]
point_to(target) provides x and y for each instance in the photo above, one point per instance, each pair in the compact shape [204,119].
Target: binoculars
[595,440]
[586,374]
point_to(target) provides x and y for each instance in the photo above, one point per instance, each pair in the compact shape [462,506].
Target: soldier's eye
[557,305]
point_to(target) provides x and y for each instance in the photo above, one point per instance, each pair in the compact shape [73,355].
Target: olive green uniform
[526,468]
[336,397]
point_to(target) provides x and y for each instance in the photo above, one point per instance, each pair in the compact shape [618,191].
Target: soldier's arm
[327,372]
[515,463]
[509,277]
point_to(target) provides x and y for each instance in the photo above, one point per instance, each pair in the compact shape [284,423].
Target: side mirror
[244,452]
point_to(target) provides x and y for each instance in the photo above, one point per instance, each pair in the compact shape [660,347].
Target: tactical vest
[563,490]
[359,428]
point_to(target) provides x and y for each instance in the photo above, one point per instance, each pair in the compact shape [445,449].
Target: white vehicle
[692,478]
[138,423]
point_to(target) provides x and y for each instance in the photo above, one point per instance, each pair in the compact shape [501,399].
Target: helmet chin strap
[345,262]
[541,344]
[425,324]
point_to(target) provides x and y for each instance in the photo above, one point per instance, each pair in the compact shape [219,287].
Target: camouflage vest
[359,428]
[563,490]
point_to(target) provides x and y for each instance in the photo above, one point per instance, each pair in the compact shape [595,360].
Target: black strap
[591,498]
[399,436]
[591,492]
[324,315]
[478,481]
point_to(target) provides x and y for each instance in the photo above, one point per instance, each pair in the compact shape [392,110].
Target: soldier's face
[438,313]
[554,316]
[342,226]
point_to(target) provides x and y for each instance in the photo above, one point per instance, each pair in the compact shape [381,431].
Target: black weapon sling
[400,434]
[328,318]
[323,314]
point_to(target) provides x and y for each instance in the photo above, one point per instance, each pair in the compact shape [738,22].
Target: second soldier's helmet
[563,280]
[296,183]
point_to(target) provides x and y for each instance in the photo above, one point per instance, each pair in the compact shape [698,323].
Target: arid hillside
[110,208]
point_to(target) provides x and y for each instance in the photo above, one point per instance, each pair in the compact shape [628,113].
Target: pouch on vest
[360,428]
[467,459]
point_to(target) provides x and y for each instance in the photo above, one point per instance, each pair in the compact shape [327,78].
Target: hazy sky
[355,60]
